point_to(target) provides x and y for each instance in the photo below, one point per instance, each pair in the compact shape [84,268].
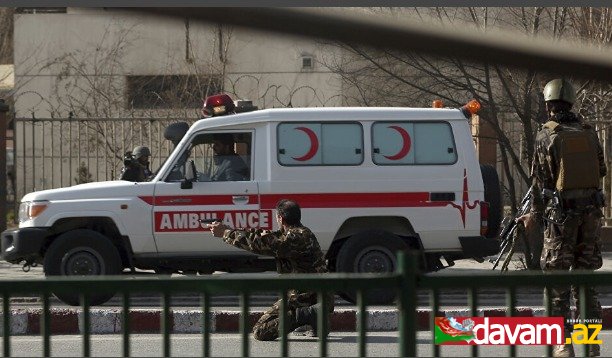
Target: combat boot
[563,350]
[308,316]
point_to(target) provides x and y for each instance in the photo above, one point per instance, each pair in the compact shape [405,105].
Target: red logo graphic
[465,201]
[406,144]
[314,144]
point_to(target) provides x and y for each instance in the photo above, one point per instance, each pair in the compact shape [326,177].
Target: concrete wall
[52,51]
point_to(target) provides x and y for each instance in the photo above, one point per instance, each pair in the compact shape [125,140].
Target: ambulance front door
[177,210]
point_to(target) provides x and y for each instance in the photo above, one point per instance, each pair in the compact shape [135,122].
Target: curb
[108,321]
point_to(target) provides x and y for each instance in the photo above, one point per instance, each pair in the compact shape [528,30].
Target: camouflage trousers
[574,244]
[267,327]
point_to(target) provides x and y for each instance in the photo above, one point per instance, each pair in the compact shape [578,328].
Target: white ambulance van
[370,182]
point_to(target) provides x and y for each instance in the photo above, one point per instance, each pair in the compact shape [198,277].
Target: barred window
[171,91]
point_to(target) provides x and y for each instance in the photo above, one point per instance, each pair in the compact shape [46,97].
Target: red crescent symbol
[314,144]
[406,144]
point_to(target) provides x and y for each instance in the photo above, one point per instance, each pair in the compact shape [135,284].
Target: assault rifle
[507,235]
[531,241]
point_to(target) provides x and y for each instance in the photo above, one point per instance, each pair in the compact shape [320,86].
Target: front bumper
[23,244]
[479,246]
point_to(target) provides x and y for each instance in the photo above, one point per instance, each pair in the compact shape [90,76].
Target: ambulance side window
[218,156]
[413,143]
[306,144]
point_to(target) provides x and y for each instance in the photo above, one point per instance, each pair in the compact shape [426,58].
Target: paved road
[380,344]
[449,298]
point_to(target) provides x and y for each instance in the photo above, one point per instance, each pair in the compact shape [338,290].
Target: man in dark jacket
[229,165]
[296,250]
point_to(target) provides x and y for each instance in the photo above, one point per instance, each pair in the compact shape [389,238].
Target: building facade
[98,63]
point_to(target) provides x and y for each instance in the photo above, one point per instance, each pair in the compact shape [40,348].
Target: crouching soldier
[296,250]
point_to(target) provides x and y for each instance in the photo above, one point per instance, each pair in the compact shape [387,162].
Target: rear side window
[413,143]
[320,143]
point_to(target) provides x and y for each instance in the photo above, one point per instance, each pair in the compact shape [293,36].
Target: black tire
[370,251]
[492,195]
[82,252]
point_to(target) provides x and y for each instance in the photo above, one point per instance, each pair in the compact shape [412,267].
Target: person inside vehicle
[229,165]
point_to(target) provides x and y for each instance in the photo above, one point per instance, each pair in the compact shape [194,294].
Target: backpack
[576,150]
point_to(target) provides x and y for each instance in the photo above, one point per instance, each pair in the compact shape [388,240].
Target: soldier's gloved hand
[217,228]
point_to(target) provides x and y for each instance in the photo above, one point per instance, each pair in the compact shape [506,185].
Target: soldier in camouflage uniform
[296,250]
[572,240]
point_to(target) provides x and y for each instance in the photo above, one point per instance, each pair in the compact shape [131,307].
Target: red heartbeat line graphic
[465,202]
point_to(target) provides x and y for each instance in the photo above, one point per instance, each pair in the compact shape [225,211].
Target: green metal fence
[212,285]
[407,281]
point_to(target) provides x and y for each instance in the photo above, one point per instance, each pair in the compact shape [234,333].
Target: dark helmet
[559,89]
[141,151]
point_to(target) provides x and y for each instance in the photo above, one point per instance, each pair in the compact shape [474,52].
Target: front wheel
[373,251]
[82,252]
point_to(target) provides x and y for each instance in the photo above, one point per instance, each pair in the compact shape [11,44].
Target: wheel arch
[103,225]
[397,225]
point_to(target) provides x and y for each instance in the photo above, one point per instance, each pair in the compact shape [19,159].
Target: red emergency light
[218,105]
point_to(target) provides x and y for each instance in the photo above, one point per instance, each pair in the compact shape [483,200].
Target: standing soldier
[568,160]
[136,165]
[296,250]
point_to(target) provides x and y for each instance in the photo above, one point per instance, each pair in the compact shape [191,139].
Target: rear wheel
[82,252]
[372,251]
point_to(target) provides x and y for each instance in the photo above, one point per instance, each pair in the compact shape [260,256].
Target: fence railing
[407,281]
[211,285]
[60,152]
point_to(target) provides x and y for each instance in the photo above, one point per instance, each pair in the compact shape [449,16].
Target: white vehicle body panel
[328,195]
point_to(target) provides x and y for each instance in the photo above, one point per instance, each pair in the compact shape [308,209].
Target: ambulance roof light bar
[222,104]
[218,105]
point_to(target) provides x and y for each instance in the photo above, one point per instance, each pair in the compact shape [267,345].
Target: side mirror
[190,175]
[175,132]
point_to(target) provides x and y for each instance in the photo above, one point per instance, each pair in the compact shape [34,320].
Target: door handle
[240,199]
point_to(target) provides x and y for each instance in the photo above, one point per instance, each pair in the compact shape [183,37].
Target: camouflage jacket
[296,250]
[544,168]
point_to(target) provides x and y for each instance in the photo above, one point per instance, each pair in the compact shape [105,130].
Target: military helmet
[559,89]
[141,151]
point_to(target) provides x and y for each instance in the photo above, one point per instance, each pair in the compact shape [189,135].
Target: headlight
[30,209]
